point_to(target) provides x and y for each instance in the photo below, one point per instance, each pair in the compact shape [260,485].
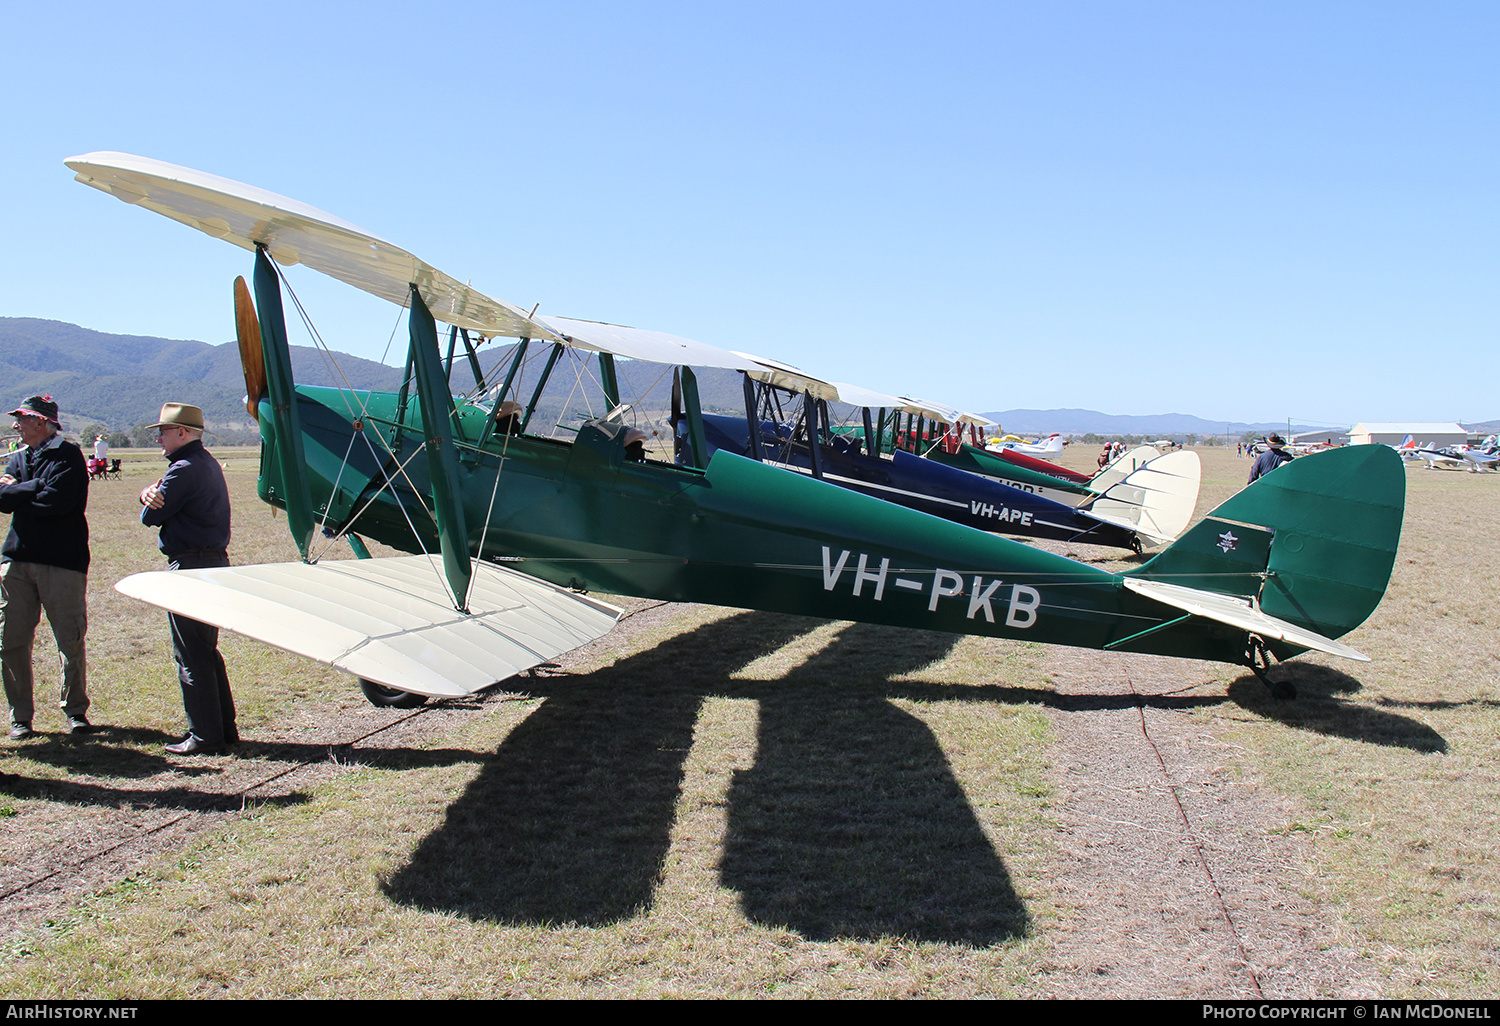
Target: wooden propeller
[252,359]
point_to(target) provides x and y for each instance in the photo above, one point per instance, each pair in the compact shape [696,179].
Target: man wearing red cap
[45,488]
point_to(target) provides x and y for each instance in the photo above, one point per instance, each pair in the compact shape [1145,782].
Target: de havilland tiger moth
[799,436]
[509,529]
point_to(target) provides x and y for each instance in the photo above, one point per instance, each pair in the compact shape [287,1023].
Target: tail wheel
[390,698]
[1259,658]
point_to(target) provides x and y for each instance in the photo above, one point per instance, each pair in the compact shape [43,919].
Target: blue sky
[1247,211]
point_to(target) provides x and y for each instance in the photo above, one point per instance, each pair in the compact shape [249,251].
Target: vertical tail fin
[1311,543]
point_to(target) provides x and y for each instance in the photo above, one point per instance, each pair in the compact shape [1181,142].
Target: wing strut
[608,380]
[290,460]
[442,460]
[694,411]
[752,422]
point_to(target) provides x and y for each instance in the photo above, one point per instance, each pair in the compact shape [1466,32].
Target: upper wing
[388,620]
[293,232]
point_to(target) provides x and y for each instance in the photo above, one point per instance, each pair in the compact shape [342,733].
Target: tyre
[390,698]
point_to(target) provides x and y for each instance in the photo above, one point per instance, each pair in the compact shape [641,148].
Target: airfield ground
[718,802]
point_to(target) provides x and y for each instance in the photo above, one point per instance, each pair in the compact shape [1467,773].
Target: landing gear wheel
[389,698]
[1258,657]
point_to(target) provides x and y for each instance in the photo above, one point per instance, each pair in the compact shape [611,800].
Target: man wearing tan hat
[191,506]
[45,488]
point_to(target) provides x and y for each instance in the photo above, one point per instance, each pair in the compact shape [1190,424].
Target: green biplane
[510,529]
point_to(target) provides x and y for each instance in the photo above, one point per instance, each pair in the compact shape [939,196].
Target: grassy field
[719,802]
[1396,763]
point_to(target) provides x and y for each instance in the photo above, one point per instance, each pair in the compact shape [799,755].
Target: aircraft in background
[1449,457]
[1174,494]
[1048,446]
[1149,507]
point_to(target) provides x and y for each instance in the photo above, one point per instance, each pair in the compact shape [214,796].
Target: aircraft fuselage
[737,534]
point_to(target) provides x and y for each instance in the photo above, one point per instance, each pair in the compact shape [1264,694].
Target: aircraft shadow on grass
[850,824]
[1319,708]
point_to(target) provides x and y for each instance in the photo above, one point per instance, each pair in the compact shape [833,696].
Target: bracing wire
[346,392]
[489,511]
[579,374]
[390,483]
[323,523]
[323,348]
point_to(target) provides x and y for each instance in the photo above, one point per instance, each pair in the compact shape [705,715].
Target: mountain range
[1082,422]
[122,380]
[119,381]
[1168,425]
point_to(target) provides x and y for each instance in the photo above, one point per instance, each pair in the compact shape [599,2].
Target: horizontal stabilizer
[389,620]
[1239,613]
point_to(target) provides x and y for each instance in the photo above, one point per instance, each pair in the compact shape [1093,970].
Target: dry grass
[715,802]
[1396,762]
[670,819]
[1391,769]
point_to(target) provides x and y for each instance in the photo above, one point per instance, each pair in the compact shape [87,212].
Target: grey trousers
[26,589]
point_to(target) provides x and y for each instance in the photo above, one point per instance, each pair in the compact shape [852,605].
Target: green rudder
[1315,539]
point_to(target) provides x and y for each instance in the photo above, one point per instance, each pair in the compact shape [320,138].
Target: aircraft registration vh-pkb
[508,528]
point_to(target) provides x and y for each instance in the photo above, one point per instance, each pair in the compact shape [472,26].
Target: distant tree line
[1096,439]
[143,436]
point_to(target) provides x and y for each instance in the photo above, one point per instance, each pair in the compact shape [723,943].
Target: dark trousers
[200,667]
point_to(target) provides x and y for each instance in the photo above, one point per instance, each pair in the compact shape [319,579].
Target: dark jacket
[1267,462]
[194,516]
[47,505]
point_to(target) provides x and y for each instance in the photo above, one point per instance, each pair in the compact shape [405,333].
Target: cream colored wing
[294,232]
[389,620]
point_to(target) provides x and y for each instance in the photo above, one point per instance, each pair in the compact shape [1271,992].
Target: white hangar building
[1392,434]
